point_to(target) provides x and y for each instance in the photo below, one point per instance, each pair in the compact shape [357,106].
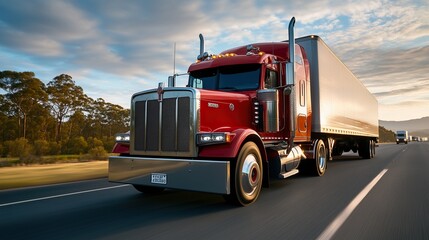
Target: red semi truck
[247,115]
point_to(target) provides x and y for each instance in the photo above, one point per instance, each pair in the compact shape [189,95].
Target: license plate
[159,178]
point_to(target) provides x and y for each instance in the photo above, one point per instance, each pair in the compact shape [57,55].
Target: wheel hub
[250,175]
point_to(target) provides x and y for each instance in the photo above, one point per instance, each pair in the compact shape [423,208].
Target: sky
[113,49]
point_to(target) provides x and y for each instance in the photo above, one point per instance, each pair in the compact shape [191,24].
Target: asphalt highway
[383,198]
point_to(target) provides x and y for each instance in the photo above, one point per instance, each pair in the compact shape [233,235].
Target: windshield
[229,78]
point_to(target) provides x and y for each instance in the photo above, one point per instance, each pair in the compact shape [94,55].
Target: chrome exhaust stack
[290,80]
[289,159]
[290,66]
[203,54]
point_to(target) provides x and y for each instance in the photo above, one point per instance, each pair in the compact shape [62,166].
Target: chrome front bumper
[194,175]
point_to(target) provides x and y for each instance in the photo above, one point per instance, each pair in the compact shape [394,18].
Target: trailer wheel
[319,166]
[247,176]
[372,148]
[366,149]
[148,189]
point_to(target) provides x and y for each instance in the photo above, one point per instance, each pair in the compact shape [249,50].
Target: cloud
[130,43]
[44,31]
[401,111]
[395,75]
[385,43]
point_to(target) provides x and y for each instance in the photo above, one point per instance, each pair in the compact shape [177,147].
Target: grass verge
[35,175]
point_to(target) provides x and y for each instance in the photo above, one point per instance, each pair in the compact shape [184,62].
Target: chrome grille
[167,127]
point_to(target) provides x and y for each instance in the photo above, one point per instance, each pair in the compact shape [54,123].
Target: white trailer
[341,104]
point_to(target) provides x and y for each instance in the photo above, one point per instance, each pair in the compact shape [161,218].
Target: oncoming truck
[402,136]
[249,114]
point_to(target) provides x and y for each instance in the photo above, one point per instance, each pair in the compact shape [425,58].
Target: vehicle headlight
[122,138]
[213,138]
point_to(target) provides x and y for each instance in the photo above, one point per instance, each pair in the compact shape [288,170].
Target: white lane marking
[339,221]
[61,195]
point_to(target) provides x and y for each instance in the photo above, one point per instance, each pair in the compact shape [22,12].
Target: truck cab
[402,137]
[256,71]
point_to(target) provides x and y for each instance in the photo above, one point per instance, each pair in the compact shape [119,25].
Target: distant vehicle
[402,137]
[416,139]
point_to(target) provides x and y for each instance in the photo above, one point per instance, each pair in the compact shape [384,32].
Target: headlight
[213,138]
[122,138]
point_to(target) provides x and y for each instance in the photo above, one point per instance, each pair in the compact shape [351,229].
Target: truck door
[302,91]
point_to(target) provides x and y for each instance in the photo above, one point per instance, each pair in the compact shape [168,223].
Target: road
[383,198]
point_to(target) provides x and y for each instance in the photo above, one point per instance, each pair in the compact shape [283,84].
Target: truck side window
[271,79]
[198,83]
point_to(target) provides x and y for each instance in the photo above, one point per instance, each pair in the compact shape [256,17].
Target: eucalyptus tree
[118,119]
[24,93]
[65,97]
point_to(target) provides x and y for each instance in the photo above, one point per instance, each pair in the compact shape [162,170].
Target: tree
[76,124]
[386,135]
[77,145]
[24,94]
[41,147]
[64,98]
[97,116]
[6,131]
[118,119]
[56,118]
[107,119]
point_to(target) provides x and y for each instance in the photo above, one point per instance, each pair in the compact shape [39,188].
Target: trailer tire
[148,189]
[372,148]
[366,149]
[246,176]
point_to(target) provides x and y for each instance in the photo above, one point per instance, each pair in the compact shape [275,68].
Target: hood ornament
[231,107]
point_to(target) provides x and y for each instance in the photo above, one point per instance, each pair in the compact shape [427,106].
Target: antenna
[174,59]
[172,79]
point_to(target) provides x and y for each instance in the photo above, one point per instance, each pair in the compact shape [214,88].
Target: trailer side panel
[341,103]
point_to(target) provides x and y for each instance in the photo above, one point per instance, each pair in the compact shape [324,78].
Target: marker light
[256,110]
[223,55]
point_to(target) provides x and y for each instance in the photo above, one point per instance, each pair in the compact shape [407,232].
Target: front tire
[247,176]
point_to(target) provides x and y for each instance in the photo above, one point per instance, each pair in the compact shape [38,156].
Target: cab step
[288,174]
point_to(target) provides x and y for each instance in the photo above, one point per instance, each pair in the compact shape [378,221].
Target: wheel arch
[231,150]
[265,165]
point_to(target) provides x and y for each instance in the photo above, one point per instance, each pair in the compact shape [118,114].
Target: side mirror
[287,90]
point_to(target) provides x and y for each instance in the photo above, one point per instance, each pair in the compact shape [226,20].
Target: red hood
[224,111]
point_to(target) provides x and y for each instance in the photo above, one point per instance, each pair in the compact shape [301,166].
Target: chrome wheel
[246,177]
[250,175]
